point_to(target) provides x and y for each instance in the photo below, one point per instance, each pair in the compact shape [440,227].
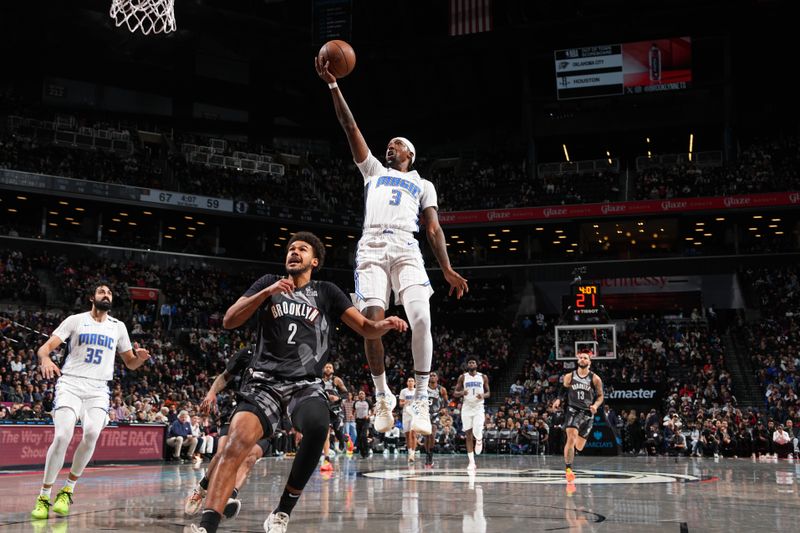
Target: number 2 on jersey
[292,333]
[396,195]
[93,355]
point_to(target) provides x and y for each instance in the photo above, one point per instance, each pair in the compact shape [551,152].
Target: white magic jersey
[394,199]
[407,396]
[91,345]
[473,385]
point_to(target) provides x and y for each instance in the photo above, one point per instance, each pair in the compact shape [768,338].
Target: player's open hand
[593,409]
[457,283]
[322,70]
[208,404]
[140,352]
[282,286]
[393,322]
[49,369]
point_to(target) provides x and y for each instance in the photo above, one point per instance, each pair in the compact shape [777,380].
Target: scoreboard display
[586,298]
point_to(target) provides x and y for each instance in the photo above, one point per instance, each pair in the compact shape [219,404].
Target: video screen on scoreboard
[627,68]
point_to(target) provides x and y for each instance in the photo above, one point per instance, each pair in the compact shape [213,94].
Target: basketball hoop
[147,16]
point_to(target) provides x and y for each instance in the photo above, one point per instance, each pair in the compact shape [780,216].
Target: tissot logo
[533,476]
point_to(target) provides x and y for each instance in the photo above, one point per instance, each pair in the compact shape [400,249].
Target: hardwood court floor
[508,494]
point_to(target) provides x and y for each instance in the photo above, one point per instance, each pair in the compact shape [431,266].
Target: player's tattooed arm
[438,244]
[354,137]
[209,403]
[459,391]
[598,386]
[340,386]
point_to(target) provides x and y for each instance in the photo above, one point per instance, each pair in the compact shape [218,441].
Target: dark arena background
[614,177]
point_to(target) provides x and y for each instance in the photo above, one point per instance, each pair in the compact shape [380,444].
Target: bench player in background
[93,339]
[389,258]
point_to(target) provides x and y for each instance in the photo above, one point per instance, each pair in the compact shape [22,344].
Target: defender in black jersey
[437,398]
[335,390]
[583,391]
[295,318]
[230,381]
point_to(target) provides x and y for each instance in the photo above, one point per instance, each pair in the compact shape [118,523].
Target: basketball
[341,56]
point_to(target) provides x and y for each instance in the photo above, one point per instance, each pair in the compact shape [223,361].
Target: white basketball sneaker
[195,501]
[276,523]
[421,421]
[478,446]
[384,405]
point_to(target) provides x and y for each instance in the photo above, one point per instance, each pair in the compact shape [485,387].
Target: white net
[147,16]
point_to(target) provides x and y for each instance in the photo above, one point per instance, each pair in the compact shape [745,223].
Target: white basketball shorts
[388,260]
[473,419]
[81,394]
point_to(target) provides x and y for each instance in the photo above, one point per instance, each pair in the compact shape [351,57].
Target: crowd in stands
[763,166]
[18,281]
[330,184]
[189,348]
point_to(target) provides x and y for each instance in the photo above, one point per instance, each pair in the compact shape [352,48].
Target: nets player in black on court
[437,398]
[295,318]
[230,380]
[583,391]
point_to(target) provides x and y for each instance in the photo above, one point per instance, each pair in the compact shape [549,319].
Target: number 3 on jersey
[93,355]
[396,195]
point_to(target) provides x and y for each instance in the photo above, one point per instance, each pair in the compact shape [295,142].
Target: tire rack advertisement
[25,445]
[628,68]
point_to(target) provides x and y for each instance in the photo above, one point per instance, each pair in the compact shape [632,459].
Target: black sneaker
[232,508]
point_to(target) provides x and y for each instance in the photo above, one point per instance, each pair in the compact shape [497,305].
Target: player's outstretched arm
[136,357]
[209,403]
[439,246]
[47,367]
[357,143]
[371,329]
[246,306]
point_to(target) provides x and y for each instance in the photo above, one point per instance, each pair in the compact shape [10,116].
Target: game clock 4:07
[586,297]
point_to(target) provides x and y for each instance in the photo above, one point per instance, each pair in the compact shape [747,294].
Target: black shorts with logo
[581,420]
[270,399]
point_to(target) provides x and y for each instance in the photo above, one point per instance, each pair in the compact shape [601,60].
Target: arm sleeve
[429,197]
[369,167]
[260,284]
[65,329]
[336,300]
[123,340]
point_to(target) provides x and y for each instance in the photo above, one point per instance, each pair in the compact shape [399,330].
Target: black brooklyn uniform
[292,348]
[435,404]
[236,367]
[337,415]
[580,395]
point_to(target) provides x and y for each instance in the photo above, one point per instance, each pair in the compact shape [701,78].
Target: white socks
[380,384]
[45,492]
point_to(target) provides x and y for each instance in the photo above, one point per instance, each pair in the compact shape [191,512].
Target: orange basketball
[341,56]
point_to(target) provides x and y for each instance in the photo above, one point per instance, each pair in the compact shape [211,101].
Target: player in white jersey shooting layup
[474,388]
[93,339]
[389,258]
